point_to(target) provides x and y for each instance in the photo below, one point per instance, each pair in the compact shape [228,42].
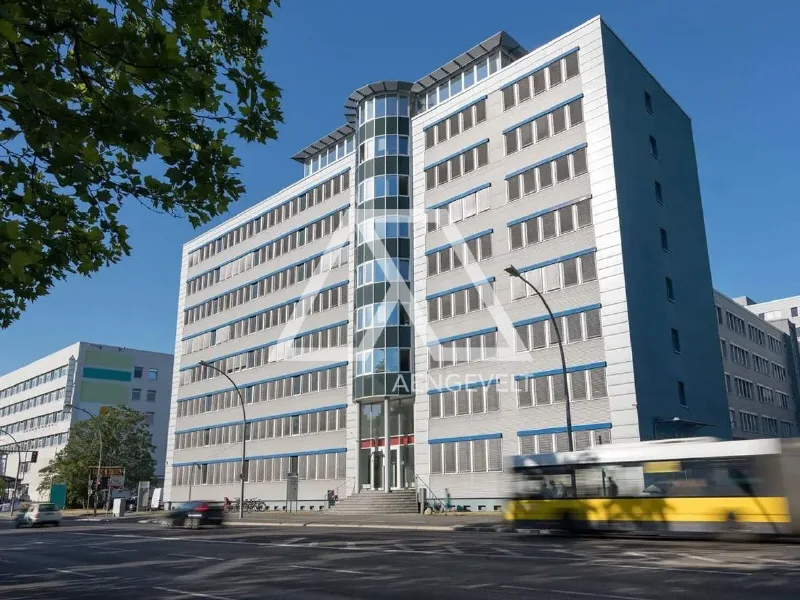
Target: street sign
[292,484]
[143,498]
[156,499]
[116,476]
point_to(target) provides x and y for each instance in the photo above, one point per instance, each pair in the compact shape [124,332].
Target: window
[794,310]
[659,193]
[475,456]
[670,289]
[465,162]
[136,394]
[648,103]
[735,323]
[538,178]
[539,129]
[664,240]
[732,415]
[676,341]
[682,395]
[728,384]
[152,374]
[151,395]
[749,421]
[744,388]
[653,147]
[719,315]
[137,372]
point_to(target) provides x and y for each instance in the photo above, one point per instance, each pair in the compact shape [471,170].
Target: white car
[41,513]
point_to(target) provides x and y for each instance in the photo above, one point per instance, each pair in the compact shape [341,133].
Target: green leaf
[162,147]
[7,31]
[18,262]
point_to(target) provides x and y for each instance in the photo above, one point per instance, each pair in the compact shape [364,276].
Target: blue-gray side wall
[657,368]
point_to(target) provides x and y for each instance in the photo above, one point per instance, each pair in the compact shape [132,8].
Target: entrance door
[377,466]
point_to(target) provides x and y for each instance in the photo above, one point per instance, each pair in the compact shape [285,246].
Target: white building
[373,290]
[89,376]
[775,310]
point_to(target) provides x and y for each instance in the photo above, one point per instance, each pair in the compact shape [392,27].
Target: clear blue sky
[731,65]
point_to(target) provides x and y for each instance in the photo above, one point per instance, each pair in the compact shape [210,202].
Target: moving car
[40,513]
[195,514]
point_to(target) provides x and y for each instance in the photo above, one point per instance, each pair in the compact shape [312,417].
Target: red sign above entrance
[395,440]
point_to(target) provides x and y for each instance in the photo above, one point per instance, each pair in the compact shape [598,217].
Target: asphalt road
[118,562]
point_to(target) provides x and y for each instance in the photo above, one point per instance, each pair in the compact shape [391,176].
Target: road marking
[508,552]
[219,568]
[293,541]
[696,571]
[639,554]
[68,572]
[345,571]
[192,594]
[454,550]
[705,558]
[476,586]
[573,593]
[196,556]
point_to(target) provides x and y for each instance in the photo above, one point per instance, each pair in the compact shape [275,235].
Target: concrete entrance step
[379,502]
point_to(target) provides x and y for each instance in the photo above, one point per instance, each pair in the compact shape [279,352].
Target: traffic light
[34,456]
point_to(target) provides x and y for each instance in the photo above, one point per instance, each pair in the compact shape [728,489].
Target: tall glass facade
[383,339]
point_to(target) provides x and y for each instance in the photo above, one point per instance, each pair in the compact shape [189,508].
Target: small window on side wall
[653,147]
[648,103]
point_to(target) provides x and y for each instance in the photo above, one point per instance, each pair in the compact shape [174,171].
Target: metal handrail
[353,479]
[427,487]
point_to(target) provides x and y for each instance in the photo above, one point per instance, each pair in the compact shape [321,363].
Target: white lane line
[639,554]
[454,550]
[294,541]
[476,586]
[508,552]
[705,558]
[196,556]
[191,594]
[696,571]
[345,571]
[218,569]
[573,593]
[68,572]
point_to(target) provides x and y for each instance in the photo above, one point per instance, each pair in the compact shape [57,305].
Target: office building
[775,310]
[89,376]
[373,290]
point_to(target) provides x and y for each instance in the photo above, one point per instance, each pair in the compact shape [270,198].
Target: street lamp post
[244,431]
[68,408]
[514,272]
[19,464]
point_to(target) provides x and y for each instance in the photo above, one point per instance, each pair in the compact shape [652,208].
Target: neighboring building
[775,310]
[760,371]
[86,375]
[377,282]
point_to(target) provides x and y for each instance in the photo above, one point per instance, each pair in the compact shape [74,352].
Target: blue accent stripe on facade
[267,243]
[541,66]
[466,438]
[558,259]
[466,386]
[267,418]
[268,275]
[459,288]
[458,242]
[459,197]
[590,427]
[461,336]
[261,456]
[455,112]
[459,153]
[563,313]
[541,114]
[596,365]
[273,207]
[278,378]
[253,314]
[268,344]
[544,211]
[106,374]
[545,161]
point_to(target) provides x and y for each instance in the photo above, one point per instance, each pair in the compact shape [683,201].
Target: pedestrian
[613,488]
[447,500]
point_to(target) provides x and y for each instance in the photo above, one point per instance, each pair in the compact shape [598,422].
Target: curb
[341,525]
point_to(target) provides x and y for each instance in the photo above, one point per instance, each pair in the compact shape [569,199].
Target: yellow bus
[694,485]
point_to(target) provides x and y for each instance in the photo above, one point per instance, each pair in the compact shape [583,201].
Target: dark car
[195,514]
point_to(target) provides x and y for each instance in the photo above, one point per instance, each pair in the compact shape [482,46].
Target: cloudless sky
[731,65]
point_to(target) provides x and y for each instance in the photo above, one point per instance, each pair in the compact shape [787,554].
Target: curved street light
[514,272]
[19,464]
[244,431]
[67,410]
